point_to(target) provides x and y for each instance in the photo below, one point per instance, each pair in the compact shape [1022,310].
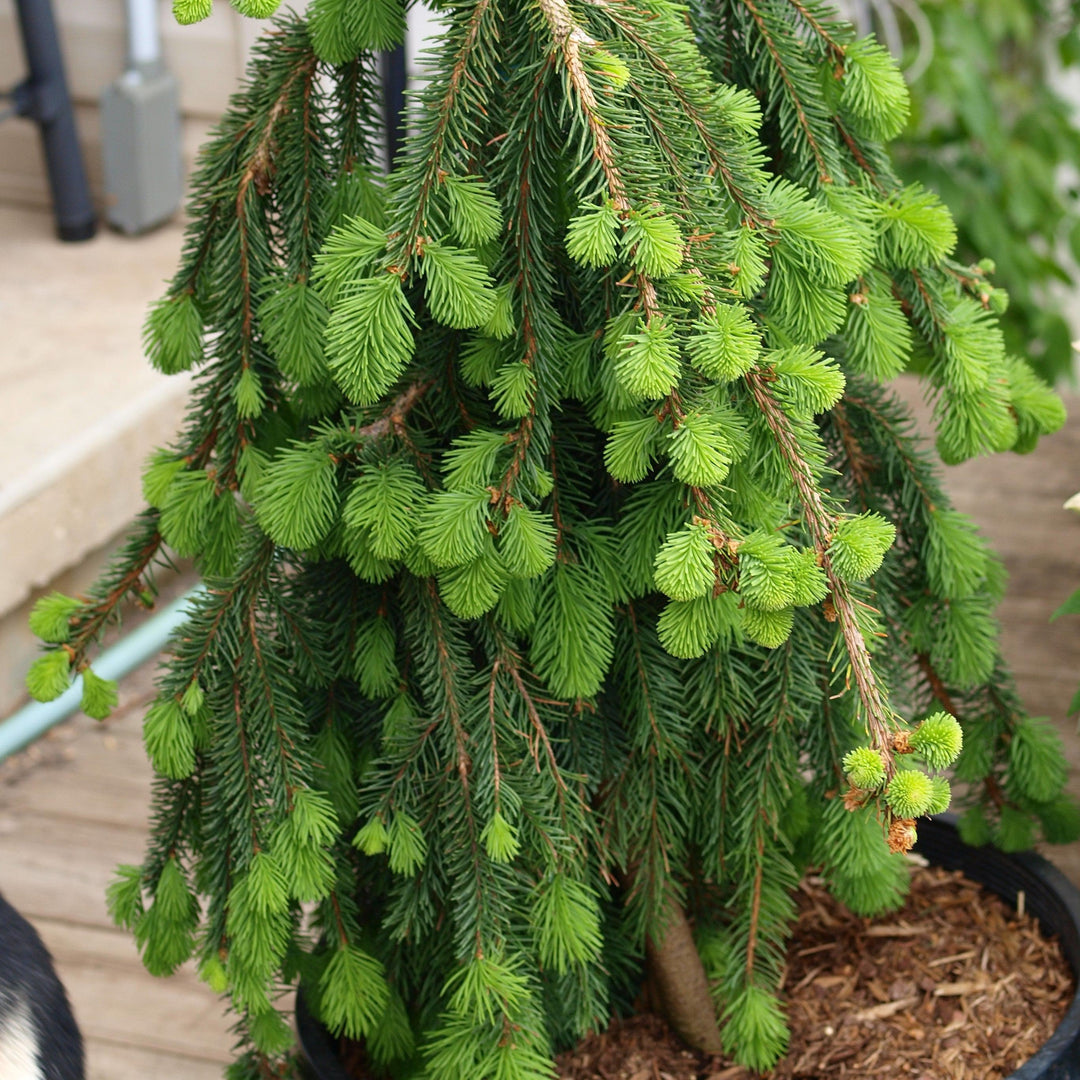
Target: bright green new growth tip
[256,9]
[940,796]
[865,768]
[910,794]
[192,11]
[939,739]
[50,618]
[859,545]
[49,675]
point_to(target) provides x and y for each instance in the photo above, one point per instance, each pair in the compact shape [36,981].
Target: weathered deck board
[178,1015]
[86,796]
[117,1061]
[64,825]
[59,869]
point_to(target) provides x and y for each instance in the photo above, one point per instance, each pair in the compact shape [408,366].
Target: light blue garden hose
[33,720]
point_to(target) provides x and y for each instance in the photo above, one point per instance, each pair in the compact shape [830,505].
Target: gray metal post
[43,97]
[140,131]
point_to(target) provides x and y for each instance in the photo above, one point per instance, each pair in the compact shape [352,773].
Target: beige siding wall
[206,58]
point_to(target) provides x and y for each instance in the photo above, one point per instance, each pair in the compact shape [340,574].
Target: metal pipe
[33,720]
[44,98]
[144,37]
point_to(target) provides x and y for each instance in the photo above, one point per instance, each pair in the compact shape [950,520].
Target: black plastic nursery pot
[1048,895]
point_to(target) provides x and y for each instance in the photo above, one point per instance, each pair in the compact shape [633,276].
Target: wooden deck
[76,805]
[66,819]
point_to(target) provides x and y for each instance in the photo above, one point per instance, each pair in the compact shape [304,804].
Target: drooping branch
[459,75]
[789,87]
[392,420]
[569,37]
[888,428]
[692,112]
[820,523]
[835,48]
[98,612]
[525,274]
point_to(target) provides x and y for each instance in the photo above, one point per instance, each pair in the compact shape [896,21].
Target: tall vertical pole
[393,87]
[144,35]
[44,98]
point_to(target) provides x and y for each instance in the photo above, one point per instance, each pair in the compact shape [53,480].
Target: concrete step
[81,408]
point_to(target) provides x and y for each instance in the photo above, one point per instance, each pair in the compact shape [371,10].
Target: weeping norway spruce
[573,578]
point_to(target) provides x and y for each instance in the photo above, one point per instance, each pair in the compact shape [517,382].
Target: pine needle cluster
[562,545]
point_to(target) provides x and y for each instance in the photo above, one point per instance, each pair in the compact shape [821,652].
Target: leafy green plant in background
[989,132]
[564,550]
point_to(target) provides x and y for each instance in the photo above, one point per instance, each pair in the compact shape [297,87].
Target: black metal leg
[44,98]
[393,87]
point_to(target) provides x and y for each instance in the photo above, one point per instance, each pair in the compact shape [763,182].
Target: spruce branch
[859,461]
[203,245]
[691,109]
[935,682]
[125,577]
[835,48]
[497,770]
[452,694]
[540,737]
[789,86]
[859,155]
[820,523]
[392,421]
[435,150]
[892,428]
[285,748]
[527,272]
[246,766]
[569,37]
[257,174]
[755,908]
[859,465]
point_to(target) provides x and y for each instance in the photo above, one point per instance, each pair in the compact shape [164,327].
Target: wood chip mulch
[641,1048]
[956,986]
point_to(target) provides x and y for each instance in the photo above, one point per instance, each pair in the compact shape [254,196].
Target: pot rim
[1049,896]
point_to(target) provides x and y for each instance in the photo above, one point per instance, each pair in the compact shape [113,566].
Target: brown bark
[678,980]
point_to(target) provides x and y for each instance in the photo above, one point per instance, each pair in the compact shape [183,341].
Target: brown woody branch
[820,523]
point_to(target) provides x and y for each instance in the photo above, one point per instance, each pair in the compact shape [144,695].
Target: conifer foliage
[563,548]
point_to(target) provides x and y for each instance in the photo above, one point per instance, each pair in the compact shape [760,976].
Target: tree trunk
[677,978]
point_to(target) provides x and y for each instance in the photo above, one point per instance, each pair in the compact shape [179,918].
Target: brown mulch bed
[956,986]
[641,1048]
